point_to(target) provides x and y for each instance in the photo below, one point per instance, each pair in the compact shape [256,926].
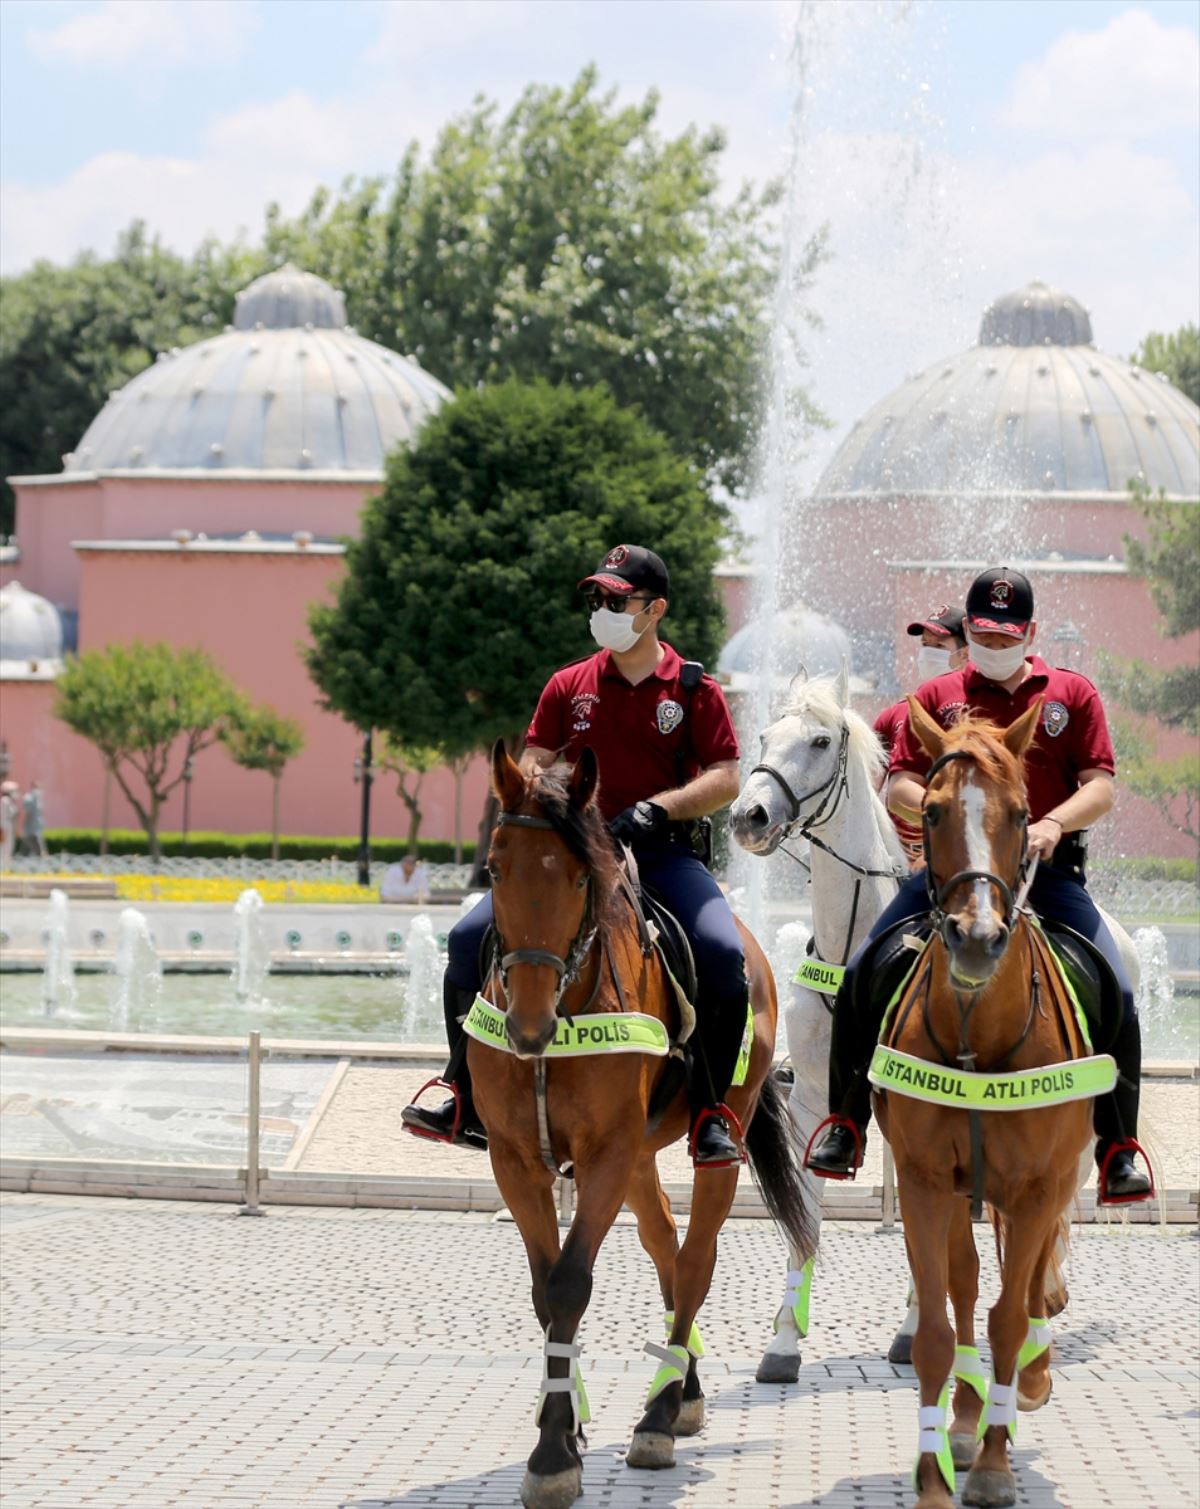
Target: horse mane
[819,698]
[586,834]
[985,742]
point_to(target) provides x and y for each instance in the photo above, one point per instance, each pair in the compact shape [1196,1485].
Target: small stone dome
[796,638]
[1033,409]
[289,388]
[30,627]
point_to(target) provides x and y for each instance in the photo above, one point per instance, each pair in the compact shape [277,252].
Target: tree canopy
[1177,356]
[460,597]
[135,703]
[567,239]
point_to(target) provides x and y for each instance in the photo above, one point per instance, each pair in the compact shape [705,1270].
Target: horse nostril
[756,817]
[999,942]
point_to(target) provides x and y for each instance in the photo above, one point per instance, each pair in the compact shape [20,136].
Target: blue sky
[1052,138]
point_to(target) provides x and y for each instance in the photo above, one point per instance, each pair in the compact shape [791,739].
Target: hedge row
[1147,867]
[245,845]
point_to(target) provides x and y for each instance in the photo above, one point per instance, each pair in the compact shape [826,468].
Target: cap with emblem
[1000,602]
[626,568]
[946,621]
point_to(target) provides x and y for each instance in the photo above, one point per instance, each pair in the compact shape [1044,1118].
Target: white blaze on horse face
[979,850]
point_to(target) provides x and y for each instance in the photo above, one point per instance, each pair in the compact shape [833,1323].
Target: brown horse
[985,1002]
[568,943]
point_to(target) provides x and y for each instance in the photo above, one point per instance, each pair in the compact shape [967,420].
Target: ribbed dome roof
[795,638]
[30,628]
[1034,408]
[288,388]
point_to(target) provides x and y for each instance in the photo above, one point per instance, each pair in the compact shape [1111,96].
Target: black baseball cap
[626,568]
[948,621]
[1000,602]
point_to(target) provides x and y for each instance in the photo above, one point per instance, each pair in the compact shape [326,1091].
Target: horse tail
[772,1145]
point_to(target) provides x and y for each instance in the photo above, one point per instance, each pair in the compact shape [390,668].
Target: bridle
[938,895]
[835,789]
[567,969]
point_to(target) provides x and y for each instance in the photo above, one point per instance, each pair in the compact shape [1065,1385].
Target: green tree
[136,703]
[71,335]
[460,597]
[259,738]
[1177,356]
[410,764]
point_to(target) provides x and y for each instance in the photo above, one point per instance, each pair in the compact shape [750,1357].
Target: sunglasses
[613,601]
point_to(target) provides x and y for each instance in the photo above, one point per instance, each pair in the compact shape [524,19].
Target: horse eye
[932,816]
[821,741]
[1020,818]
[581,882]
[494,871]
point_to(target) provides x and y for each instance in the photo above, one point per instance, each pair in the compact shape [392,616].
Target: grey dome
[288,389]
[795,638]
[30,627]
[1032,409]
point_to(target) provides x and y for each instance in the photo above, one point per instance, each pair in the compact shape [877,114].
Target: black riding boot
[715,1056]
[838,1152]
[1115,1119]
[438,1121]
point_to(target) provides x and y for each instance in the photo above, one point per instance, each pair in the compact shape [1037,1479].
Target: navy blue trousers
[679,879]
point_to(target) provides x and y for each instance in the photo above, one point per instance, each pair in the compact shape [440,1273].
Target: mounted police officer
[668,757]
[1069,775]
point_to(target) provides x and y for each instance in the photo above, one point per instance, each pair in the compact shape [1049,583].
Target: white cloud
[1132,79]
[159,32]
[410,29]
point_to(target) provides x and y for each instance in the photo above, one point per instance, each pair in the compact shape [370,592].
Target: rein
[1013,904]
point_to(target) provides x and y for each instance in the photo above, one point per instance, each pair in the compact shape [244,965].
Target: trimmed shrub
[245,845]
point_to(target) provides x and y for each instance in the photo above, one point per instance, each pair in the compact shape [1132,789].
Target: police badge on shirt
[669,715]
[1055,718]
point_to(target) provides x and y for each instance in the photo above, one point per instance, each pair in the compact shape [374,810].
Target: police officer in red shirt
[668,757]
[1069,776]
[943,648]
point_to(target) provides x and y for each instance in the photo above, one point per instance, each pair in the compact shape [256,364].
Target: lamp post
[364,774]
[188,772]
[1068,640]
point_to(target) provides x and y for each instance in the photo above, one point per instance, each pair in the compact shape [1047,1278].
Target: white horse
[819,768]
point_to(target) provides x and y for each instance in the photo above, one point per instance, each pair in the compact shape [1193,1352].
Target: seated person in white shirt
[407,881]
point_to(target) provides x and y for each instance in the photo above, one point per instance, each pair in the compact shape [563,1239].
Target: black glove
[642,821]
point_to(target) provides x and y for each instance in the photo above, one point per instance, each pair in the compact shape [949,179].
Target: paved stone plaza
[165,1354]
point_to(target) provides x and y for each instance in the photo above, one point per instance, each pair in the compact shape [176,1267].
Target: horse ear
[507,781]
[584,778]
[930,732]
[1018,736]
[841,686]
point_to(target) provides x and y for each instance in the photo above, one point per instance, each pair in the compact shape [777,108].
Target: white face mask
[932,661]
[997,665]
[615,631]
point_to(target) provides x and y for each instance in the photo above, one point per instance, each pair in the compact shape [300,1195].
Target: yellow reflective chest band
[818,975]
[608,1032]
[1024,1090]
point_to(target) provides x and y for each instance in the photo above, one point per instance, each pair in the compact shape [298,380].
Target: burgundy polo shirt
[636,731]
[1072,732]
[887,728]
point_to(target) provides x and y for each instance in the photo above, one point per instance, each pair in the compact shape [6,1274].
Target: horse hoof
[650,1449]
[989,1489]
[1030,1402]
[778,1367]
[558,1490]
[690,1421]
[963,1448]
[901,1347]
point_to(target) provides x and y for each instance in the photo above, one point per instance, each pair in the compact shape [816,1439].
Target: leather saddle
[889,961]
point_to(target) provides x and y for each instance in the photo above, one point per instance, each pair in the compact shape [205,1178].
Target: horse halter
[835,788]
[568,968]
[938,895]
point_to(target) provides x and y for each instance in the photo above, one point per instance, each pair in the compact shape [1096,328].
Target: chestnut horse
[984,1006]
[569,950]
